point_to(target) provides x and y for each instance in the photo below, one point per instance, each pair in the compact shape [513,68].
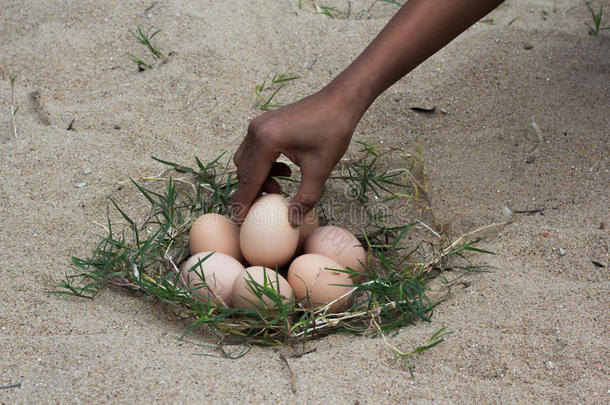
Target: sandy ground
[534,330]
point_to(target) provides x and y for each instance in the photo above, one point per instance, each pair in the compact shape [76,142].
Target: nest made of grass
[146,254]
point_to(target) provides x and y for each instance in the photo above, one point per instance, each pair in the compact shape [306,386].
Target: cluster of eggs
[317,258]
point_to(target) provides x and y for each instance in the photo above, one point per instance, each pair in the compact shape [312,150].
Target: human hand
[314,133]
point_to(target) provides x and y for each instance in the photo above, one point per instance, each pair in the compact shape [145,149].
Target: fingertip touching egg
[338,244]
[266,237]
[310,224]
[245,292]
[317,276]
[215,233]
[219,271]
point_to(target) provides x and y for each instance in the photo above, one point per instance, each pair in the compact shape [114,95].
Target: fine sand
[533,330]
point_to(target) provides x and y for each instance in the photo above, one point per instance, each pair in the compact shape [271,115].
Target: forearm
[315,132]
[417,31]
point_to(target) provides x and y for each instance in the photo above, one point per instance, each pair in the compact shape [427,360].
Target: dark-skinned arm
[315,132]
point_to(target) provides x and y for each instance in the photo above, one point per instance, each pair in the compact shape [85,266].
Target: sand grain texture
[536,329]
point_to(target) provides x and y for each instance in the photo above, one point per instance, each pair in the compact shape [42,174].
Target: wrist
[351,94]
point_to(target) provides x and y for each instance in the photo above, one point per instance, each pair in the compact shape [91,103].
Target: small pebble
[506,211]
[87,170]
[549,365]
[562,251]
[311,64]
[534,134]
[81,185]
[530,159]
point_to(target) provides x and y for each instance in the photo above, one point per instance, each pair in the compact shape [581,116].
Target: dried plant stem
[11,80]
[446,251]
[293,383]
[13,110]
[372,5]
[428,228]
[13,385]
[333,319]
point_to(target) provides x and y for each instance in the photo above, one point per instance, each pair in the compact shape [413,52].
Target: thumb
[307,197]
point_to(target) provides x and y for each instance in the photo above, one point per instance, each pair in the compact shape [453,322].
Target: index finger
[252,171]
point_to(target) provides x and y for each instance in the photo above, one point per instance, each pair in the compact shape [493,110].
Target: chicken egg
[215,233]
[338,244]
[316,275]
[219,271]
[244,290]
[266,237]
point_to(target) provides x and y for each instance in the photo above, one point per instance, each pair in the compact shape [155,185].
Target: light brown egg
[215,233]
[219,271]
[339,244]
[313,274]
[310,224]
[244,291]
[266,237]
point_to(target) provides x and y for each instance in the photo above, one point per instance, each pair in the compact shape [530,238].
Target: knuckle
[308,200]
[254,125]
[265,133]
[243,175]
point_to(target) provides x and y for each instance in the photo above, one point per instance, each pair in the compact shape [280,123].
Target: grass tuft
[141,64]
[597,21]
[145,39]
[334,12]
[277,82]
